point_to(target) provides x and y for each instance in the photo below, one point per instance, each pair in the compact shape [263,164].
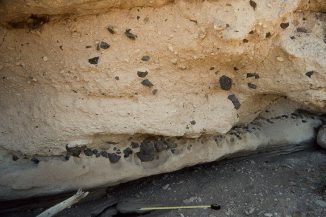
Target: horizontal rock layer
[84,73]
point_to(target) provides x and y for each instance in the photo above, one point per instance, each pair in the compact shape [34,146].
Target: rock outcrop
[96,93]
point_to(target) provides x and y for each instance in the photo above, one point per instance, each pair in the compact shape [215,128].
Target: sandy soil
[266,185]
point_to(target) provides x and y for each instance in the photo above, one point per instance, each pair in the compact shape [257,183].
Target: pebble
[252,75]
[268,214]
[166,187]
[253,4]
[147,83]
[309,74]
[128,151]
[130,35]
[142,74]
[94,60]
[145,58]
[74,151]
[114,158]
[252,86]
[284,25]
[225,82]
[268,35]
[111,29]
[45,59]
[104,154]
[235,101]
[147,151]
[88,152]
[103,45]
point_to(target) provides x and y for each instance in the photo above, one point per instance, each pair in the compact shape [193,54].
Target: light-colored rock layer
[51,95]
[274,129]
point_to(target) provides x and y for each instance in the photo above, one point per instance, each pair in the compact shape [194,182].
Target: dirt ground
[267,185]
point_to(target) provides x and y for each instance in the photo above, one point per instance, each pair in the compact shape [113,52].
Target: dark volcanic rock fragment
[93,60]
[88,152]
[225,82]
[145,58]
[309,74]
[252,86]
[284,25]
[103,45]
[114,158]
[147,151]
[130,35]
[128,151]
[253,4]
[235,101]
[142,74]
[147,83]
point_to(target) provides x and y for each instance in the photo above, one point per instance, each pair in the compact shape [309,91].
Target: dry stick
[64,204]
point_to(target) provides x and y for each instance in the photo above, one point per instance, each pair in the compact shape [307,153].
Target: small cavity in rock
[225,82]
[268,35]
[284,25]
[114,158]
[130,35]
[142,74]
[309,74]
[253,4]
[128,151]
[235,101]
[111,29]
[103,45]
[93,60]
[245,40]
[252,86]
[147,83]
[145,58]
[193,122]
[116,78]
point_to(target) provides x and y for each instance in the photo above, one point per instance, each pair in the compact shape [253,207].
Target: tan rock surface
[51,95]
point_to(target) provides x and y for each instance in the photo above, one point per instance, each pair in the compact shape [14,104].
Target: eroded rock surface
[81,78]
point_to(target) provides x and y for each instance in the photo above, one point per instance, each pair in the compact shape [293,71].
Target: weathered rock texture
[83,77]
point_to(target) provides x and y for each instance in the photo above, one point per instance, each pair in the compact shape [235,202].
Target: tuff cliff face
[99,92]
